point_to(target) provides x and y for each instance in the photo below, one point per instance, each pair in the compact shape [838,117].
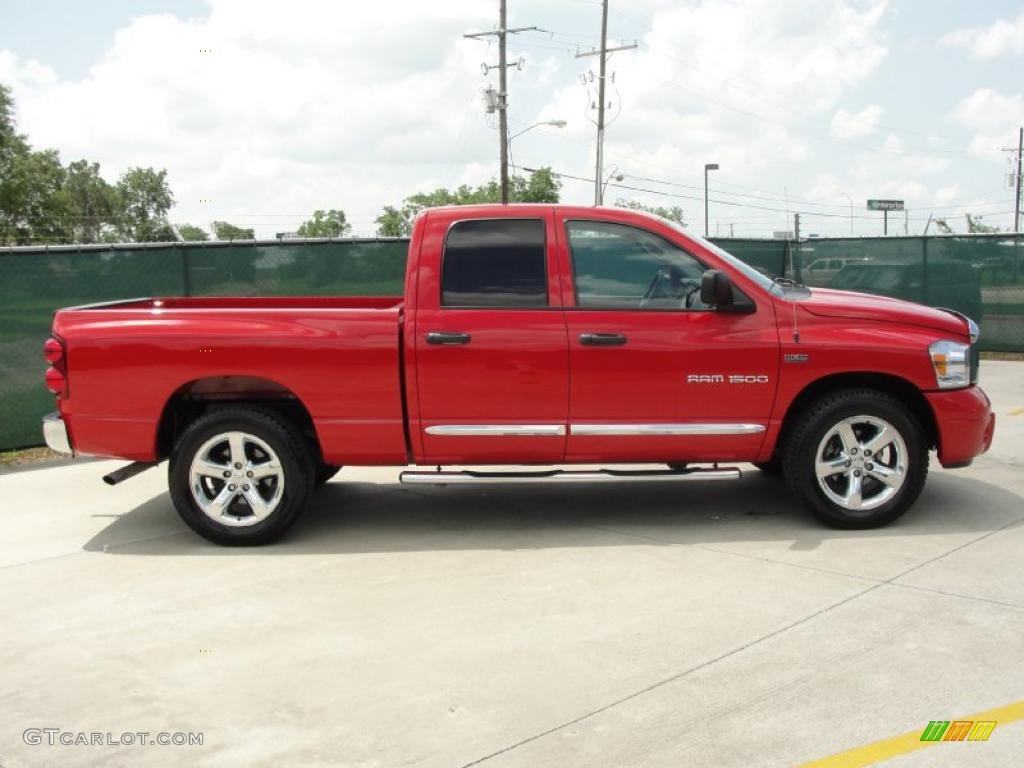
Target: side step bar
[468,477]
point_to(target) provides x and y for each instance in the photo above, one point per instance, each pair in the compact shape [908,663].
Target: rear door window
[499,263]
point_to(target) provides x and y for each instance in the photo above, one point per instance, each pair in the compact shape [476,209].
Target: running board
[468,477]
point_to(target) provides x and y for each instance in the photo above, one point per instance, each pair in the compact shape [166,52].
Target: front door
[656,375]
[491,365]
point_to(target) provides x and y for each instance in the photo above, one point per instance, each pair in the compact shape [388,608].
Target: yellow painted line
[1017,412]
[870,754]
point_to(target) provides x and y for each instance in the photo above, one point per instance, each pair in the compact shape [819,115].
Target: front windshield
[748,271]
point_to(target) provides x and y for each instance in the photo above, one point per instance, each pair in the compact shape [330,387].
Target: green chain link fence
[979,275]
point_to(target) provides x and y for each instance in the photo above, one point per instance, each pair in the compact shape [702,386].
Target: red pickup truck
[528,335]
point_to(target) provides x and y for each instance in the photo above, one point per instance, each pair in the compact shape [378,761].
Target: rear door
[655,375]
[491,369]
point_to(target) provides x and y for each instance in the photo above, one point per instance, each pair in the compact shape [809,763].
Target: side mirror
[716,289]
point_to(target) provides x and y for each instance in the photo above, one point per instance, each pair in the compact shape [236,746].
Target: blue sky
[312,105]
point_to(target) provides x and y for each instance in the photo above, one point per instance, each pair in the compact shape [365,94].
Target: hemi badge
[795,357]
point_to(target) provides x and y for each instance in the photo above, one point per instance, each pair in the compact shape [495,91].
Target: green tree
[943,228]
[675,213]
[145,200]
[330,223]
[541,187]
[33,203]
[94,204]
[222,230]
[976,227]
[192,233]
[395,222]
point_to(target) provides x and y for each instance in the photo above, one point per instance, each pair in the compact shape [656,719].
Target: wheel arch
[900,388]
[194,398]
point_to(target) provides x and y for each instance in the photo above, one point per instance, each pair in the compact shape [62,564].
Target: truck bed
[339,357]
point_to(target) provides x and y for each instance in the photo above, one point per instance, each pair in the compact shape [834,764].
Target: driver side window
[616,266]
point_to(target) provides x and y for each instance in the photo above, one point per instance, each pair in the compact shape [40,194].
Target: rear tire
[240,476]
[856,458]
[772,467]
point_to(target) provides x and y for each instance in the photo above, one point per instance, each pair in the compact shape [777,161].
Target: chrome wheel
[861,463]
[236,479]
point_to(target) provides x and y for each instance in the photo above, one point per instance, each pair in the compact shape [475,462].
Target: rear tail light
[56,374]
[55,381]
[53,351]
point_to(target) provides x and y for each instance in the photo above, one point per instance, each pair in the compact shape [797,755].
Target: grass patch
[26,456]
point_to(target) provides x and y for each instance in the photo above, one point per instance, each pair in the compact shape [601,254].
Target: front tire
[856,458]
[325,472]
[240,476]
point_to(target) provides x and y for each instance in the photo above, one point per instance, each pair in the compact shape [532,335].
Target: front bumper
[965,424]
[55,432]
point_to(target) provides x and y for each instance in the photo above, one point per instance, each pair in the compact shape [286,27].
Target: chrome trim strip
[497,430]
[56,434]
[593,430]
[564,476]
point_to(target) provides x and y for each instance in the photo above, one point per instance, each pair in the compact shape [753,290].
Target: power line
[662,193]
[767,196]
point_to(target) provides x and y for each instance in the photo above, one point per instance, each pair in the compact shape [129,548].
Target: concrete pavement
[705,624]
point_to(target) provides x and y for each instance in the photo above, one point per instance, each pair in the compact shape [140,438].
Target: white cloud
[312,105]
[994,117]
[298,106]
[1002,37]
[725,82]
[852,125]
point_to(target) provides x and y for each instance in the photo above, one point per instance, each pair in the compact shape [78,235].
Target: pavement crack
[739,649]
[954,550]
[958,595]
[675,677]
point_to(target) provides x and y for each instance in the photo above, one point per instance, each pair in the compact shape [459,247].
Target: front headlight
[951,361]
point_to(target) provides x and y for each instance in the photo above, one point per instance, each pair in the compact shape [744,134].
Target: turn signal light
[53,351]
[951,361]
[55,381]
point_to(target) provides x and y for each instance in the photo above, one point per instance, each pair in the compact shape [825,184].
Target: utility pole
[598,190]
[503,99]
[502,32]
[707,167]
[602,67]
[796,227]
[1016,202]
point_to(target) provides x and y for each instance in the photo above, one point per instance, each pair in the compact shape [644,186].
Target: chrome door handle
[602,339]
[448,338]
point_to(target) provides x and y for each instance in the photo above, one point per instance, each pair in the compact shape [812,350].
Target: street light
[552,123]
[851,211]
[707,167]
